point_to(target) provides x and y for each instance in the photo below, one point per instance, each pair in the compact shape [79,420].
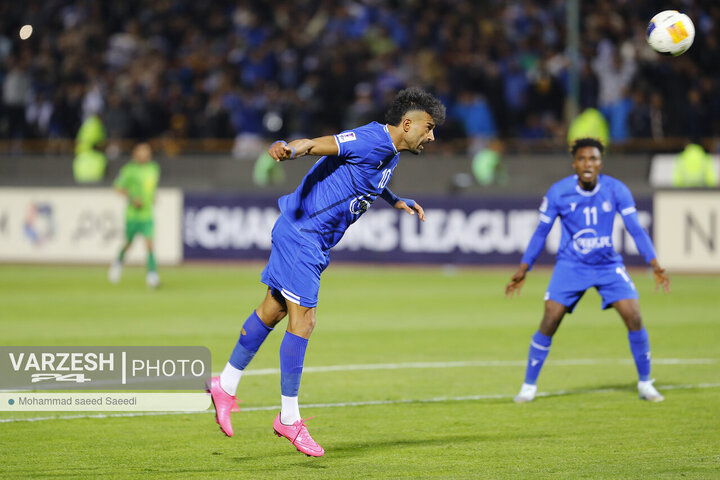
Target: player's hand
[401,205]
[137,203]
[516,282]
[280,151]
[661,279]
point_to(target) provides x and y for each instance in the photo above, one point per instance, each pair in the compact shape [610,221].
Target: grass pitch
[380,412]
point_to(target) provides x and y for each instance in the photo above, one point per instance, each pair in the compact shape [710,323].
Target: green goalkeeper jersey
[140,181]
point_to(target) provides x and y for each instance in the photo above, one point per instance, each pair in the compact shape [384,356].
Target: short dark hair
[586,142]
[415,99]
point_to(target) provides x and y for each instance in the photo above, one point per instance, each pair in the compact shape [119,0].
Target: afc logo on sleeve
[346,137]
[544,205]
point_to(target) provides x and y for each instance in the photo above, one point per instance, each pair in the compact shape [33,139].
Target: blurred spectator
[267,171]
[614,77]
[487,166]
[474,113]
[194,69]
[590,123]
[533,128]
[16,93]
[618,117]
[545,95]
[639,116]
[90,162]
[694,168]
[696,122]
[362,110]
[658,117]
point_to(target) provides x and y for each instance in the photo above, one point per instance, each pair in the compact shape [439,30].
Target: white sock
[290,411]
[229,379]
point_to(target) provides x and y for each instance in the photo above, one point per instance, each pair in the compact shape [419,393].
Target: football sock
[640,348]
[539,349]
[253,334]
[292,356]
[151,262]
[229,378]
[290,411]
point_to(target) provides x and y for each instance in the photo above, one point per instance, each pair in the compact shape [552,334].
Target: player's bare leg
[554,313]
[629,310]
[539,349]
[288,422]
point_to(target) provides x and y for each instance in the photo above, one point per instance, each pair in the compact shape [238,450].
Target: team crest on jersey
[346,137]
[359,205]
[606,206]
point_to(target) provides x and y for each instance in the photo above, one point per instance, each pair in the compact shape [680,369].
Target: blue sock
[539,349]
[254,332]
[640,348]
[292,356]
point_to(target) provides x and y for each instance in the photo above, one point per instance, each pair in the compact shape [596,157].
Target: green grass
[590,425]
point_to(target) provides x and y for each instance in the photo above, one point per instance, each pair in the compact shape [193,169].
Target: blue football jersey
[587,218]
[340,188]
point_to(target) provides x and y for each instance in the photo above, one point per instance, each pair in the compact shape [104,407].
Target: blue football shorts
[569,282]
[295,265]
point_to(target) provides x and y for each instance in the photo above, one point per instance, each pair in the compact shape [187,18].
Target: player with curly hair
[354,170]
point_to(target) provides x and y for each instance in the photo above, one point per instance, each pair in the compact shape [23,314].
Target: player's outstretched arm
[321,146]
[517,281]
[661,278]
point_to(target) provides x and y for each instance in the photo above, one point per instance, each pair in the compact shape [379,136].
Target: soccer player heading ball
[354,170]
[586,204]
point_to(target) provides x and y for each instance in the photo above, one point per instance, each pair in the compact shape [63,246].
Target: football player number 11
[590,215]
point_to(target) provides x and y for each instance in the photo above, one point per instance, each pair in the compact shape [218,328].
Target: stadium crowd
[282,68]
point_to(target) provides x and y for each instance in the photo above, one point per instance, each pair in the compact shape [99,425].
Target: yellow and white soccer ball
[670,33]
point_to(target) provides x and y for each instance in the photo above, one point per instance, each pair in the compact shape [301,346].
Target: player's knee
[308,320]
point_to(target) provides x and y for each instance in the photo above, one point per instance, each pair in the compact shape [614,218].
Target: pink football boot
[224,404]
[299,436]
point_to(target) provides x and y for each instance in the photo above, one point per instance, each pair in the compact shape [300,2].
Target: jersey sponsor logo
[606,206]
[346,137]
[359,205]
[587,240]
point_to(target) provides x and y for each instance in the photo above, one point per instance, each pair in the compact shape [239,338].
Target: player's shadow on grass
[362,448]
[592,390]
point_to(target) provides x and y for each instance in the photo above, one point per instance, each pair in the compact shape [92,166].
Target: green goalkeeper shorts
[146,228]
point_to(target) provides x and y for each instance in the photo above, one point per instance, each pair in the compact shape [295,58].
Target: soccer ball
[670,33]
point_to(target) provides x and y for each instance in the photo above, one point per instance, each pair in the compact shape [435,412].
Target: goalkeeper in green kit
[138,181]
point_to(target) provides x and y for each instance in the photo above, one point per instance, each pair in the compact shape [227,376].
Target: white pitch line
[479,363]
[459,364]
[362,404]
